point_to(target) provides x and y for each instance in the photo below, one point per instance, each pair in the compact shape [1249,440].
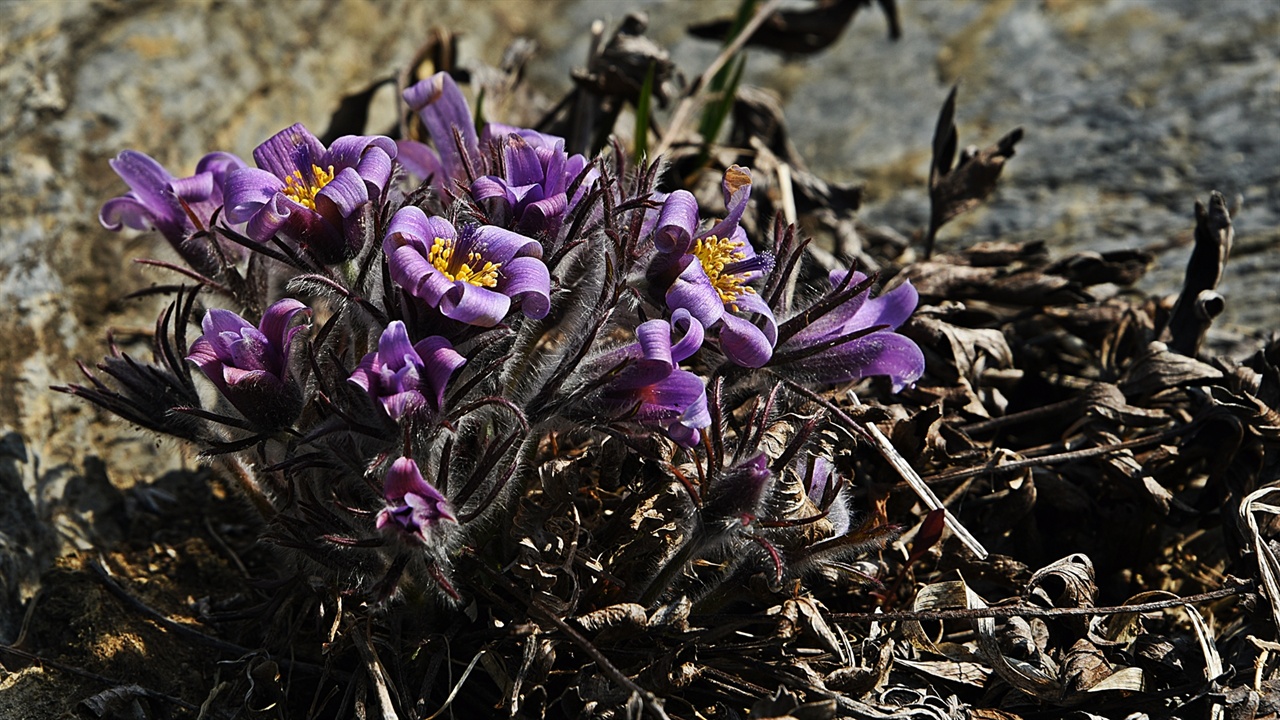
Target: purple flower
[881,352]
[472,274]
[530,195]
[653,388]
[414,507]
[708,274]
[406,378]
[310,194]
[250,365]
[527,192]
[177,208]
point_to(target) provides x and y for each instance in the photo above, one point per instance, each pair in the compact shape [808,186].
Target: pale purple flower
[414,507]
[407,378]
[307,193]
[177,208]
[472,273]
[652,387]
[880,352]
[250,365]
[709,273]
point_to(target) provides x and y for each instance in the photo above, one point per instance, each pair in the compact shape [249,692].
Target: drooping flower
[307,193]
[470,273]
[414,507]
[527,190]
[709,273]
[407,378]
[250,365]
[879,352]
[176,207]
[652,387]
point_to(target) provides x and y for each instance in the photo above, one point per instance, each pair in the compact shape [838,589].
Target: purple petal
[412,222]
[271,217]
[349,150]
[440,361]
[220,165]
[126,211]
[404,403]
[375,168]
[420,160]
[522,164]
[499,245]
[247,191]
[543,215]
[694,292]
[474,305]
[527,280]
[151,202]
[744,343]
[405,478]
[347,192]
[880,353]
[411,271]
[691,341]
[891,308]
[275,322]
[677,222]
[492,186]
[217,321]
[290,150]
[394,343]
[443,109]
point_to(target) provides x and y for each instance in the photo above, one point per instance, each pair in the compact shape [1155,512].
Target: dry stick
[651,702]
[109,682]
[923,491]
[681,116]
[1028,611]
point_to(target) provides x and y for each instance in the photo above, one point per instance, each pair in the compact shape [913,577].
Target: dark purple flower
[882,352]
[407,378]
[824,475]
[471,274]
[176,207]
[307,193]
[531,193]
[653,388]
[414,507]
[709,273]
[250,365]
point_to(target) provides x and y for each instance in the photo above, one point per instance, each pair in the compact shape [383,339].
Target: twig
[1030,611]
[652,703]
[681,116]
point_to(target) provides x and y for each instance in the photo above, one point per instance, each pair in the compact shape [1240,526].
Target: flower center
[716,254]
[471,271]
[297,189]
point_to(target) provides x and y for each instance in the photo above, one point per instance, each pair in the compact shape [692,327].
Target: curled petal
[411,270]
[126,211]
[247,191]
[347,191]
[271,218]
[682,321]
[694,292]
[677,222]
[275,322]
[889,308]
[491,186]
[413,222]
[744,343]
[474,305]
[291,150]
[880,353]
[220,165]
[501,245]
[526,279]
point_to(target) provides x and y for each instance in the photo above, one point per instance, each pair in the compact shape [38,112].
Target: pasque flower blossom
[880,352]
[414,507]
[176,207]
[525,189]
[470,273]
[307,193]
[407,378]
[250,365]
[652,387]
[709,273]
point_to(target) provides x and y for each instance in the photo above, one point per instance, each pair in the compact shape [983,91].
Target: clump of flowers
[530,352]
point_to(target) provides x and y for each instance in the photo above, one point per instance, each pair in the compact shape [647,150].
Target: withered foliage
[1116,477]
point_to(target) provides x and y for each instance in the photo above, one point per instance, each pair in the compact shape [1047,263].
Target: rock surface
[1133,110]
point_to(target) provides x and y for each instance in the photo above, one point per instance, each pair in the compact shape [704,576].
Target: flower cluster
[469,338]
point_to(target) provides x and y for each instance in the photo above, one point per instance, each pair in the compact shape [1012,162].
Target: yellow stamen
[441,256]
[716,254]
[304,193]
